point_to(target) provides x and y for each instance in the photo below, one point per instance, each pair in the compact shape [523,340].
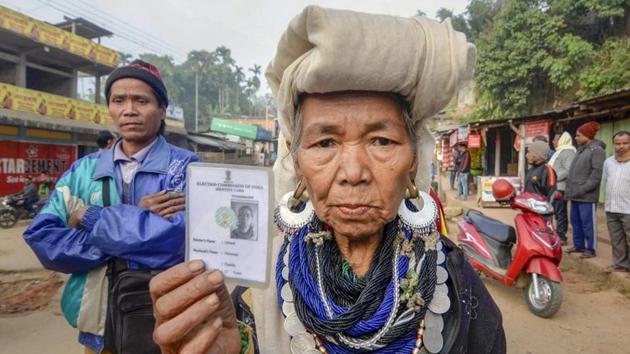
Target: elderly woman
[361,266]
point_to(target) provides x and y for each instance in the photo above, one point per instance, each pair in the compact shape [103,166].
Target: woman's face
[356,159]
[245,219]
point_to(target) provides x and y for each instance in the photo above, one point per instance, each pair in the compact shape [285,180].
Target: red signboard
[19,159]
[474,141]
[537,128]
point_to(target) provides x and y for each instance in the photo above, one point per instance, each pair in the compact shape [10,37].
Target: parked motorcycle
[534,264]
[13,208]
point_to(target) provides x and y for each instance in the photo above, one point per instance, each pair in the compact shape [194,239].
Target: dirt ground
[593,319]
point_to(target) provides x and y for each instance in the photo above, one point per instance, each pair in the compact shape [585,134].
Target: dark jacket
[464,162]
[540,179]
[470,328]
[585,174]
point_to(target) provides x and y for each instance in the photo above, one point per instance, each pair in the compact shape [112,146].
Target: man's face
[135,110]
[556,139]
[622,145]
[531,159]
[581,139]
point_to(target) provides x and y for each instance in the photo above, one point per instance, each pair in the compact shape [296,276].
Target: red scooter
[487,244]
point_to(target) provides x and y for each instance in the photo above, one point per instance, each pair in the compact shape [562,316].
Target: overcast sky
[250,28]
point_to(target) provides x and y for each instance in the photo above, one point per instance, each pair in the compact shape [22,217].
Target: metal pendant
[302,343]
[441,257]
[285,273]
[441,288]
[433,341]
[286,293]
[440,303]
[293,326]
[285,257]
[442,275]
[288,308]
[432,320]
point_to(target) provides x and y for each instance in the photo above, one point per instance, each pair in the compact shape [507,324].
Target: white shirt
[129,165]
[617,177]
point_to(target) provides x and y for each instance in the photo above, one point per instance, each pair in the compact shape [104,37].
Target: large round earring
[292,214]
[420,220]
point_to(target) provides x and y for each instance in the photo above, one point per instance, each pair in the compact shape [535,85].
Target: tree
[535,53]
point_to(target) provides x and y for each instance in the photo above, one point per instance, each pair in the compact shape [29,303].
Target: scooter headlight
[540,207]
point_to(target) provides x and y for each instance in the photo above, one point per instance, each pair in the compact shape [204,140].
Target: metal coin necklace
[396,308]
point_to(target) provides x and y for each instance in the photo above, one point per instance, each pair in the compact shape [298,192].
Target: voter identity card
[229,220]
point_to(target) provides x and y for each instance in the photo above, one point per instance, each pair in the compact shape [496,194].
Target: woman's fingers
[178,327]
[204,339]
[174,277]
[180,298]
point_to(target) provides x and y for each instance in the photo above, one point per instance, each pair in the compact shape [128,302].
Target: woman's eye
[382,141]
[326,143]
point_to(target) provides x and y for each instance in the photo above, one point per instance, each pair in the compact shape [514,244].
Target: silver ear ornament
[289,221]
[420,221]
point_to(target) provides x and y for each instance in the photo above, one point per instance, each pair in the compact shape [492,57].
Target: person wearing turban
[582,189]
[360,265]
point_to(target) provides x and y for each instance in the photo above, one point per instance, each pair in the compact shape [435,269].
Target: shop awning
[216,143]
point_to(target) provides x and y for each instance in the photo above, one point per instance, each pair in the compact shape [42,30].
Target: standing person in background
[540,177]
[582,189]
[561,162]
[44,187]
[105,139]
[542,138]
[453,168]
[617,177]
[463,168]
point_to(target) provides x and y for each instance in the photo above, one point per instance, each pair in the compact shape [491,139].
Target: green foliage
[534,54]
[223,86]
[610,72]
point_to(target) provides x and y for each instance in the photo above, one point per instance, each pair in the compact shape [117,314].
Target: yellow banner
[25,100]
[56,37]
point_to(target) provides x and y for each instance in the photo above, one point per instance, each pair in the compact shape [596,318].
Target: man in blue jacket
[76,233]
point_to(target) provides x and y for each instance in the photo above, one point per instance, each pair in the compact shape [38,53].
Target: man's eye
[326,143]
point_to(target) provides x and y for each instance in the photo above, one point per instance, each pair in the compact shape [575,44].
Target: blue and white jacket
[126,231]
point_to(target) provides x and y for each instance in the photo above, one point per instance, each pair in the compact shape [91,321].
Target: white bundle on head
[326,50]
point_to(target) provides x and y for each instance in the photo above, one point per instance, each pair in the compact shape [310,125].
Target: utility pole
[197,100]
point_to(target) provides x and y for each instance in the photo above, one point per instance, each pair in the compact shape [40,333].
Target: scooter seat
[490,227]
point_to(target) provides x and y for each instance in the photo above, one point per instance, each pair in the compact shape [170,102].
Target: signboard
[537,128]
[21,159]
[462,133]
[263,134]
[485,187]
[175,112]
[474,141]
[56,37]
[228,127]
[25,100]
[453,138]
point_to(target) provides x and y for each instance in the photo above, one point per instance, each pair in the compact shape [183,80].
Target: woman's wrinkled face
[356,159]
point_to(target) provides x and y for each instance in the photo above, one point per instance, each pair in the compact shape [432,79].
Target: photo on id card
[229,211]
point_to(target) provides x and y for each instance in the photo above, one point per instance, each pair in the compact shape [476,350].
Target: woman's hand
[193,311]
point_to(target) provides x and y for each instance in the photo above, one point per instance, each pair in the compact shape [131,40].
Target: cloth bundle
[325,50]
